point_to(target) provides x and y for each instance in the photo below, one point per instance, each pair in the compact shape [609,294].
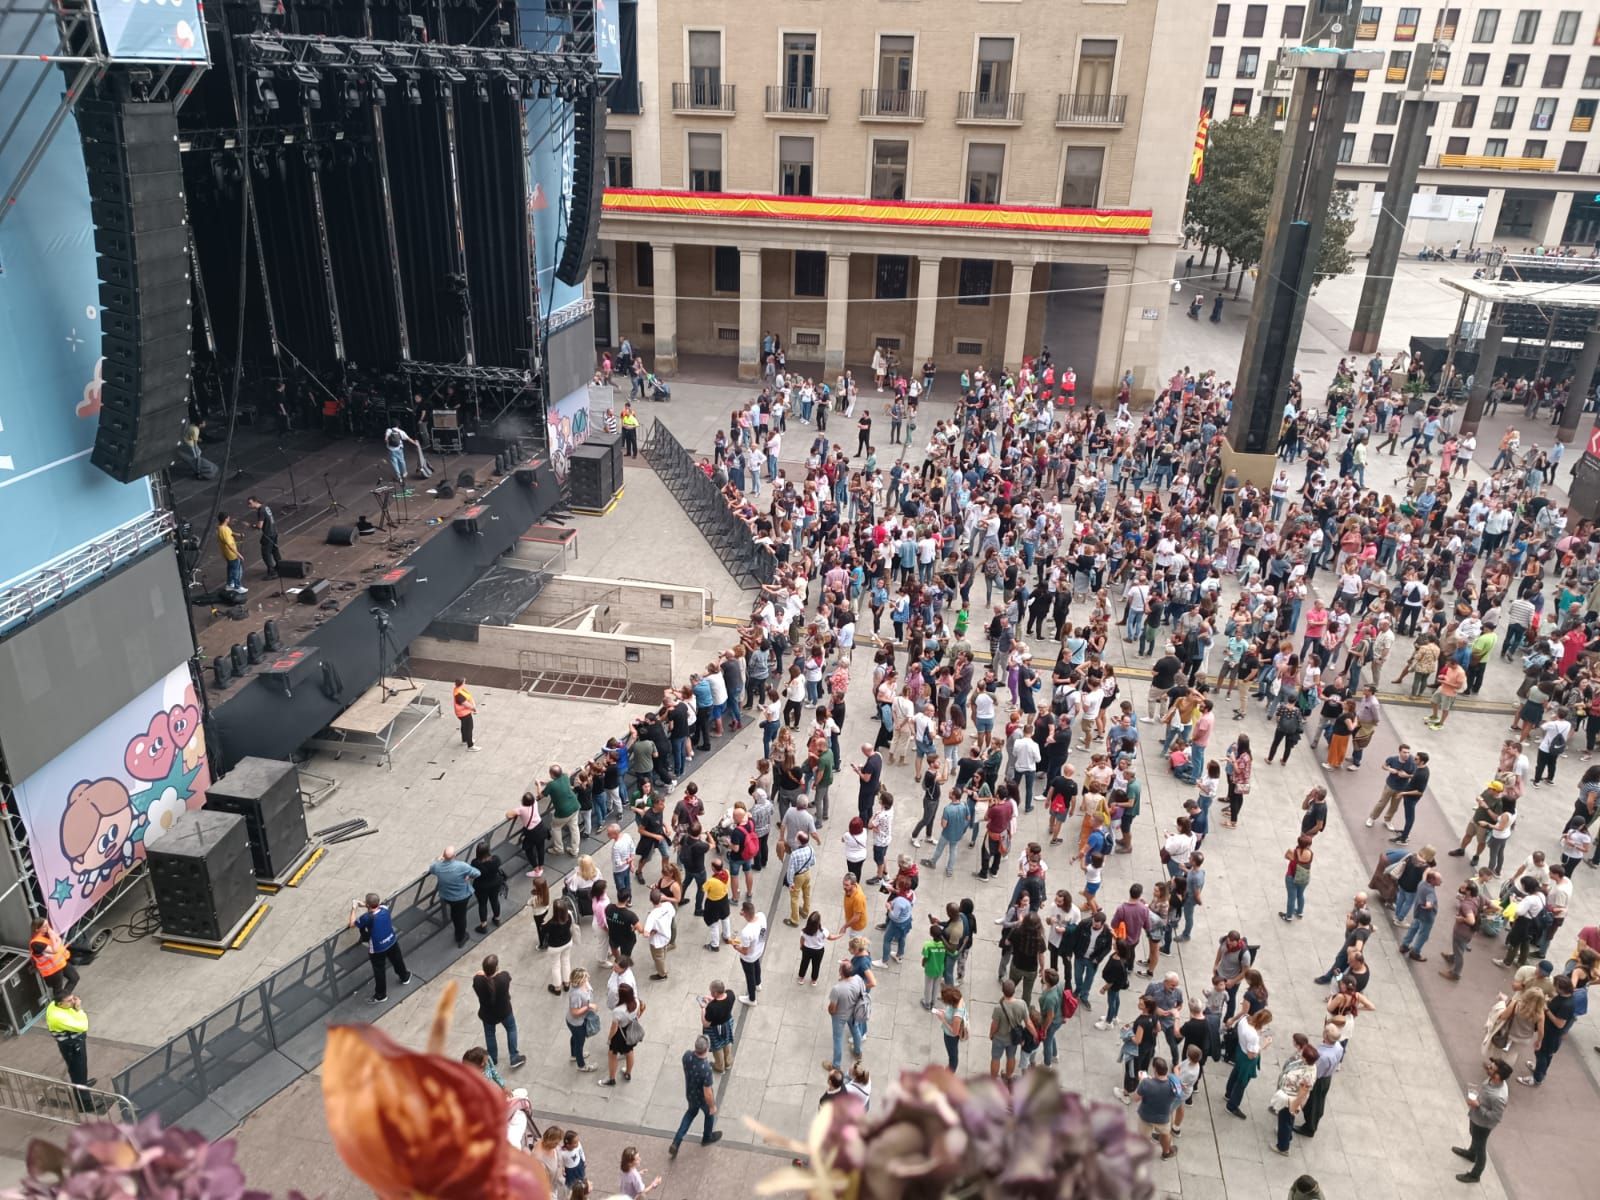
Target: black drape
[293,253]
[493,178]
[419,179]
[360,243]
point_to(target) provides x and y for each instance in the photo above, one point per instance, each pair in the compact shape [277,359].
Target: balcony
[1581,124]
[1395,74]
[800,102]
[708,99]
[887,104]
[990,108]
[1091,110]
[1436,75]
[1361,76]
[1489,162]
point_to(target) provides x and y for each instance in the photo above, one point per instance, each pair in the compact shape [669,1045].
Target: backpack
[1290,720]
[1558,744]
[395,440]
[752,843]
[1069,1004]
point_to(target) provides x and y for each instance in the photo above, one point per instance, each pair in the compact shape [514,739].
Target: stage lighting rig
[265,97]
[431,57]
[511,84]
[413,27]
[453,75]
[364,55]
[269,50]
[327,52]
[411,89]
[349,90]
[310,84]
[383,75]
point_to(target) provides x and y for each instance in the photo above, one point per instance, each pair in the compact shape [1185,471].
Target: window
[1566,28]
[1571,157]
[705,68]
[1294,20]
[1275,108]
[705,162]
[1555,71]
[1534,148]
[1239,106]
[644,265]
[1208,100]
[810,273]
[725,269]
[1367,26]
[1495,148]
[985,163]
[1382,145]
[1097,66]
[1591,72]
[1358,101]
[1456,145]
[1405,25]
[794,166]
[1255,20]
[1399,64]
[892,278]
[975,281]
[1487,24]
[1081,186]
[889,169]
[1584,110]
[1347,147]
[1466,112]
[1527,26]
[1219,23]
[1214,63]
[894,64]
[1389,108]
[993,82]
[1444,25]
[1505,112]
[1516,70]
[799,73]
[619,158]
[1544,114]
[1249,62]
[1476,71]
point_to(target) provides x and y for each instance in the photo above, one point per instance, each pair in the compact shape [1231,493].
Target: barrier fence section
[57,1100]
[750,563]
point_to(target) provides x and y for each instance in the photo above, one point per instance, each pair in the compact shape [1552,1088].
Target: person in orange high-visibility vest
[52,959]
[465,707]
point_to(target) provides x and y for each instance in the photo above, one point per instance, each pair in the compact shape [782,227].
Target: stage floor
[326,470]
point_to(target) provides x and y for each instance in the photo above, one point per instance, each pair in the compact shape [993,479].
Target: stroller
[656,390]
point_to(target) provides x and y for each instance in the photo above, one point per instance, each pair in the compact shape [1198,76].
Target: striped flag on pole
[1197,162]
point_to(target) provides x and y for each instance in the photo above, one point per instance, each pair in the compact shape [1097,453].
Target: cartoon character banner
[92,810]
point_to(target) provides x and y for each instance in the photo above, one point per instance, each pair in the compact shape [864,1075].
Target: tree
[1228,210]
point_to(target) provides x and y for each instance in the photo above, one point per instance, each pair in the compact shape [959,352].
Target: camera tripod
[393,665]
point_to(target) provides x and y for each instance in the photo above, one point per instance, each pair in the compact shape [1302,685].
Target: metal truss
[497,378]
[53,581]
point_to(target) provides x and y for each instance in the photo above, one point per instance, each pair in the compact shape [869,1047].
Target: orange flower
[419,1125]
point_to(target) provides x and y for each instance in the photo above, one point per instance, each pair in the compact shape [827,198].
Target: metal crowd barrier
[750,564]
[57,1100]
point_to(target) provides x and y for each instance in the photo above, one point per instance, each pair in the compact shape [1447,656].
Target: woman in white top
[1500,835]
[857,845]
[751,943]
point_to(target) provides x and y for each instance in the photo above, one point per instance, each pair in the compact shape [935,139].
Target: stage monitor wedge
[135,175]
[588,189]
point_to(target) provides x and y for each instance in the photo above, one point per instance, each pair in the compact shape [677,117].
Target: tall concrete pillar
[1119,321]
[1578,393]
[1490,220]
[1555,224]
[749,313]
[1483,376]
[922,348]
[838,312]
[665,262]
[1017,319]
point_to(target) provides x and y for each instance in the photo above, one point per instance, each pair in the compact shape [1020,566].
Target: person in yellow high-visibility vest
[69,1025]
[630,431]
[465,707]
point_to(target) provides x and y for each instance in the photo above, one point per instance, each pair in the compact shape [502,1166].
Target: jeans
[1541,1059]
[1113,1005]
[1417,936]
[696,1107]
[1083,969]
[952,1050]
[990,862]
[680,754]
[945,840]
[1188,915]
[236,573]
[1402,904]
[1479,1145]
[1296,899]
[1135,623]
[841,1026]
[1285,1128]
[492,1045]
[896,935]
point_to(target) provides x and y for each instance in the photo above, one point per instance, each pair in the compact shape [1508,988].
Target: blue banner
[608,36]
[52,500]
[169,30]
[550,163]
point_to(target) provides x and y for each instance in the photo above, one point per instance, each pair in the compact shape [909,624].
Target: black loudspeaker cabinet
[588,188]
[295,568]
[342,535]
[315,591]
[201,873]
[594,483]
[266,793]
[613,444]
[141,237]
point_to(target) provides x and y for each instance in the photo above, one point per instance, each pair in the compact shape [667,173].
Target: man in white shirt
[1025,758]
[658,929]
[1552,742]
[621,973]
[621,858]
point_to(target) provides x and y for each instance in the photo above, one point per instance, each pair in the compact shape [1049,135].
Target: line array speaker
[588,188]
[130,150]
[202,875]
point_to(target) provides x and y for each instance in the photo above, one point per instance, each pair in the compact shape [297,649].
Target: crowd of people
[1085,525]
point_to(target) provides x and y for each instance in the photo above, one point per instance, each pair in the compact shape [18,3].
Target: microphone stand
[294,488]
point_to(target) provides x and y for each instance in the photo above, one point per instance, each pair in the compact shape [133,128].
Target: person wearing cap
[700,1091]
[1478,656]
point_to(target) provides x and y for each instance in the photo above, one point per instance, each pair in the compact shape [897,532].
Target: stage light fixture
[454,76]
[511,84]
[480,88]
[413,92]
[349,90]
[383,75]
[413,26]
[261,164]
[270,50]
[502,32]
[310,85]
[431,57]
[544,88]
[327,52]
[364,55]
[266,97]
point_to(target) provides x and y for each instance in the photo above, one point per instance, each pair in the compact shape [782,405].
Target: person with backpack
[849,1008]
[1554,733]
[1287,730]
[1008,1029]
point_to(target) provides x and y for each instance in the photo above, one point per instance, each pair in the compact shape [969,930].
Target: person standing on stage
[466,706]
[52,959]
[371,916]
[229,546]
[69,1025]
[394,440]
[268,525]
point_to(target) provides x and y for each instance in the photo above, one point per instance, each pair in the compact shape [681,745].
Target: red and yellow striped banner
[1119,222]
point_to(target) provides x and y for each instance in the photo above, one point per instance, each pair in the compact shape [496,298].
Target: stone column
[1120,316]
[1578,390]
[1483,375]
[749,313]
[1556,223]
[1017,320]
[1491,217]
[665,261]
[927,311]
[838,312]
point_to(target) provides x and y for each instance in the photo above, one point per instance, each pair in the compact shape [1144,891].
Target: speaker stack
[142,240]
[613,444]
[588,188]
[201,872]
[593,479]
[266,793]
